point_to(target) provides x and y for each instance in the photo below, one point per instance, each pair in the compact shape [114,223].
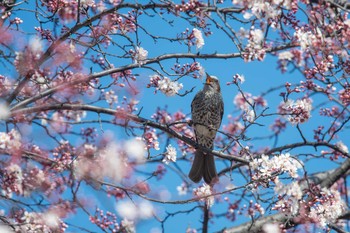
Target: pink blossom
[151,139]
[344,96]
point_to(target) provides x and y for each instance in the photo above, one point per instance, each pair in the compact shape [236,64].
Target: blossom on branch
[11,140]
[4,111]
[203,191]
[266,167]
[329,207]
[198,38]
[169,87]
[169,155]
[342,146]
[255,48]
[165,85]
[298,111]
[289,196]
[140,55]
[344,95]
[182,189]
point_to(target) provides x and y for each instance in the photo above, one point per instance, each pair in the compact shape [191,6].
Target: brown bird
[207,110]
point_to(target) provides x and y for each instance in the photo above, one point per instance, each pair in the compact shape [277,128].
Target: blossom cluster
[266,10]
[255,48]
[327,208]
[11,140]
[140,55]
[151,139]
[169,155]
[289,196]
[113,161]
[203,191]
[48,220]
[298,111]
[105,221]
[194,69]
[265,167]
[245,101]
[165,85]
[198,37]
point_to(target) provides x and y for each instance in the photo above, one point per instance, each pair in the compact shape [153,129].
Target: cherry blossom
[140,55]
[298,111]
[169,155]
[198,37]
[85,145]
[169,87]
[182,189]
[205,190]
[329,207]
[265,167]
[342,146]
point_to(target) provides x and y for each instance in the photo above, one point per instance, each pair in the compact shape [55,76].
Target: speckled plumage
[207,111]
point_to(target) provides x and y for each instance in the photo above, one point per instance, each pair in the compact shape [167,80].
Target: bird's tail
[196,172]
[209,172]
[203,166]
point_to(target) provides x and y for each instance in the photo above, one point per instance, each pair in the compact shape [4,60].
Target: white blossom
[135,149]
[291,193]
[305,38]
[170,155]
[342,146]
[128,225]
[247,15]
[182,189]
[114,166]
[127,210]
[266,166]
[199,38]
[249,115]
[140,56]
[204,190]
[146,210]
[329,209]
[134,211]
[286,55]
[11,140]
[169,87]
[36,45]
[86,3]
[271,228]
[257,35]
[240,78]
[298,111]
[4,111]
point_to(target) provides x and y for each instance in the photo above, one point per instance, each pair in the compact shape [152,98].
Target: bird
[207,109]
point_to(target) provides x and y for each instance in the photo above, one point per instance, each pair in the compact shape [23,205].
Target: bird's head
[212,82]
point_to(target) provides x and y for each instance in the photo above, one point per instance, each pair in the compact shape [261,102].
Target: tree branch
[132,117]
[324,179]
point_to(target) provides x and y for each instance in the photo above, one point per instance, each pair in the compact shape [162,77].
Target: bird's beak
[208,80]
